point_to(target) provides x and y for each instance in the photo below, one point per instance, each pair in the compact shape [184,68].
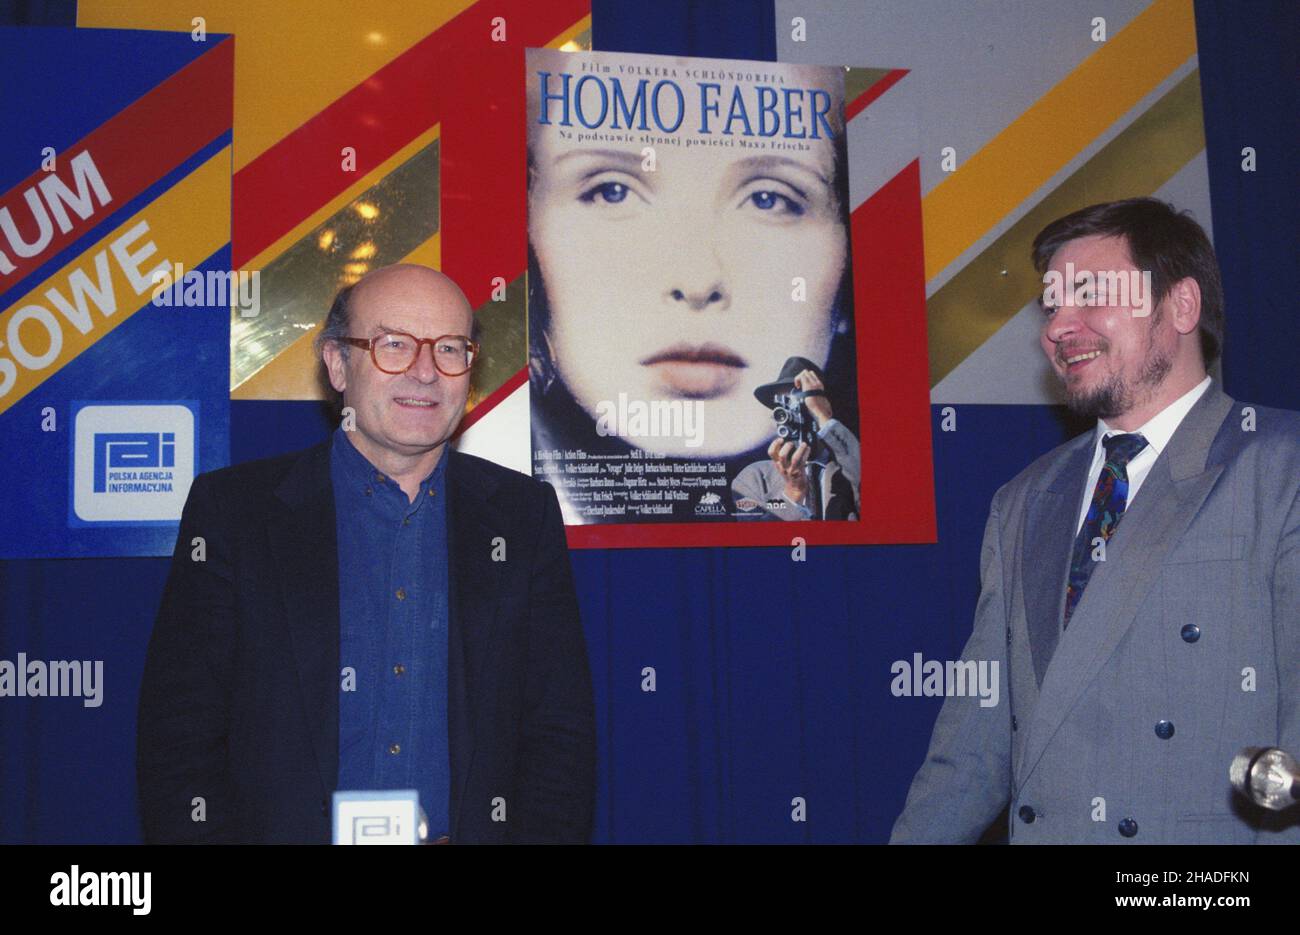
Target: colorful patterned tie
[1109,498]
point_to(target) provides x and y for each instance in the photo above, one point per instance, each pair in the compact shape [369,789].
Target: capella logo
[709,504]
[76,888]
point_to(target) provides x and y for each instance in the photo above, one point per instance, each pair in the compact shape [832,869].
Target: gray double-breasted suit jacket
[1183,649]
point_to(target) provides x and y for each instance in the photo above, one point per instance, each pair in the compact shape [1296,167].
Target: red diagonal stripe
[865,99]
[492,400]
[135,148]
[396,104]
[484,161]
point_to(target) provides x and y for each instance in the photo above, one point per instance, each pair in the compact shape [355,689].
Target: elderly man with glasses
[378,612]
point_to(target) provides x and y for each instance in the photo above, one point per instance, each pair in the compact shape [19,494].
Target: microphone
[1267,776]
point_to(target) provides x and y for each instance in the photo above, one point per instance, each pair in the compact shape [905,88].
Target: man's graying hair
[338,324]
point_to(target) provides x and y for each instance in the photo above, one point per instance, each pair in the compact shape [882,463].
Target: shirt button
[1164,729]
[401,594]
[379,478]
[406,520]
[1128,827]
[399,669]
[394,748]
[431,491]
[1190,633]
[369,491]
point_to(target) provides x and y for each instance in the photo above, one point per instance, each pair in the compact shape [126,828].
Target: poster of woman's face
[688,231]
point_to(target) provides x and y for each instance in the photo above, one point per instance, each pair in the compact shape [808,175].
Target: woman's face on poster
[688,274]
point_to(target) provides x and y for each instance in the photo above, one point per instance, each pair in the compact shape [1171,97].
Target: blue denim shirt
[393,612]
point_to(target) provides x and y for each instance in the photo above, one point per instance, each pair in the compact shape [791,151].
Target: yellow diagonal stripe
[1020,159]
[577,35]
[292,374]
[992,288]
[186,225]
[577,38]
[293,58]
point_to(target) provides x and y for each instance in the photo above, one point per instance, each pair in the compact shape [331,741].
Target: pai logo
[389,817]
[136,450]
[132,462]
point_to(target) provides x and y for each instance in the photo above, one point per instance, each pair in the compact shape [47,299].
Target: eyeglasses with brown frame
[396,351]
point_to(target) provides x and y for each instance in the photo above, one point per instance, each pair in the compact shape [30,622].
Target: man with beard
[1140,584]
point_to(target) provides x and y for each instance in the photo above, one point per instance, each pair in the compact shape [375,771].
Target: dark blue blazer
[238,715]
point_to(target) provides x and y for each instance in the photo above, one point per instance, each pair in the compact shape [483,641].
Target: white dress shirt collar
[1161,427]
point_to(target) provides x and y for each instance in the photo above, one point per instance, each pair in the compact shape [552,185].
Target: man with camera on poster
[813,469]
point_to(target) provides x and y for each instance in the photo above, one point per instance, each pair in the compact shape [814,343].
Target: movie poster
[690,290]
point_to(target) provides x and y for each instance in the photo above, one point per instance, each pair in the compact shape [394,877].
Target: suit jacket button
[1190,633]
[1027,814]
[1128,827]
[1164,729]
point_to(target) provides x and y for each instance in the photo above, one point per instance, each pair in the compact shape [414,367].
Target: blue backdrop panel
[1250,57]
[57,66]
[60,85]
